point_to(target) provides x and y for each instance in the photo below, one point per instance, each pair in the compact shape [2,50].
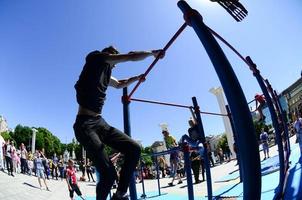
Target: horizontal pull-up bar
[161,103]
[175,105]
[157,58]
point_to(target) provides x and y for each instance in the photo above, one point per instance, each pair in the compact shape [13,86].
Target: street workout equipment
[246,140]
[234,8]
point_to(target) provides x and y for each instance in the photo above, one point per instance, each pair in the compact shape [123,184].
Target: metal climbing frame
[247,143]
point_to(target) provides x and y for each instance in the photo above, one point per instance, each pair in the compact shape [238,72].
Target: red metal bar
[175,105]
[161,103]
[157,58]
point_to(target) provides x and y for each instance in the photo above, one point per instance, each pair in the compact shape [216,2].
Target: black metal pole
[205,153]
[235,139]
[243,122]
[274,117]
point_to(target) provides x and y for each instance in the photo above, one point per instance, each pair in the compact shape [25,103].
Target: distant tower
[218,92]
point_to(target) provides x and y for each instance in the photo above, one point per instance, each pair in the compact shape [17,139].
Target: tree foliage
[6,135]
[22,134]
[223,142]
[146,156]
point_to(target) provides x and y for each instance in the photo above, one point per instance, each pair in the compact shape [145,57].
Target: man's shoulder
[96,54]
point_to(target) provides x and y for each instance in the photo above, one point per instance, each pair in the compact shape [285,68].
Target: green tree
[40,141]
[6,135]
[146,156]
[223,142]
[50,141]
[22,134]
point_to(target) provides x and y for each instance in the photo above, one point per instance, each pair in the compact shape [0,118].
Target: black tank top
[93,82]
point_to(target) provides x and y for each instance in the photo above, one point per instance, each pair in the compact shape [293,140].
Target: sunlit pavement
[24,187]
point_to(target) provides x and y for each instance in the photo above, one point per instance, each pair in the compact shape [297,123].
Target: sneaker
[170,184]
[179,182]
[116,197]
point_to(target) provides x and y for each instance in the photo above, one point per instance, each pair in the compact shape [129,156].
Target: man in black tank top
[92,131]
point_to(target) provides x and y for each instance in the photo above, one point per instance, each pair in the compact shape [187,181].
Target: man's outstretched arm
[132,56]
[125,82]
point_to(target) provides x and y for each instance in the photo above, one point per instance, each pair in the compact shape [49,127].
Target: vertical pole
[284,121]
[274,117]
[243,123]
[127,130]
[282,117]
[157,176]
[235,139]
[186,151]
[205,153]
[33,141]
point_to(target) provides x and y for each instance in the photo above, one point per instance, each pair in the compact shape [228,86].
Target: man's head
[191,122]
[165,133]
[70,162]
[110,50]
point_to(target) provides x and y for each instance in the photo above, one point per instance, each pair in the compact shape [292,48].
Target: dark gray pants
[93,133]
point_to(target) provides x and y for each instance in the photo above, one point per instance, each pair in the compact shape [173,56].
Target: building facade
[3,124]
[293,97]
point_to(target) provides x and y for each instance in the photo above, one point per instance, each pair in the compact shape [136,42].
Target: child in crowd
[71,180]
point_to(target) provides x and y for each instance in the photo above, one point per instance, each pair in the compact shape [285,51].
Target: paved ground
[23,187]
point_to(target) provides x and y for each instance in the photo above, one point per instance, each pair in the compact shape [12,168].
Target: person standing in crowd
[54,169]
[61,167]
[227,153]
[71,180]
[162,166]
[89,170]
[24,156]
[14,156]
[195,165]
[209,152]
[40,169]
[221,155]
[8,158]
[264,142]
[30,163]
[298,129]
[82,168]
[17,161]
[2,156]
[174,156]
[46,167]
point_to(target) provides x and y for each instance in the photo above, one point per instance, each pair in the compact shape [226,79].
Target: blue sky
[43,45]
